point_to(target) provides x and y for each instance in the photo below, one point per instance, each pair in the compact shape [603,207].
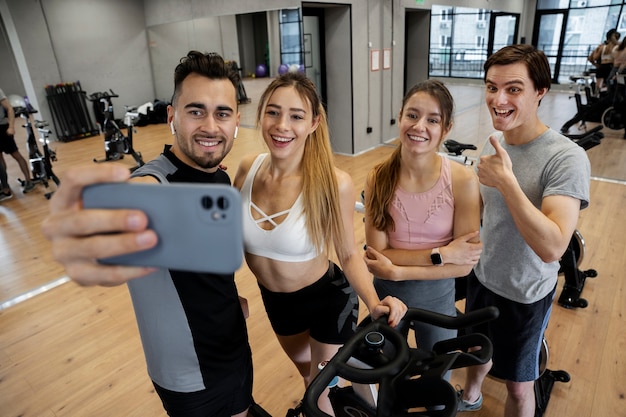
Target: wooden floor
[75,352]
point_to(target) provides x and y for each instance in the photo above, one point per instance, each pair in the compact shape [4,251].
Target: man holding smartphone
[192,325]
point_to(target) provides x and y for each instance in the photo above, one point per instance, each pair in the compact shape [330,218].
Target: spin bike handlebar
[339,365]
[23,111]
[102,95]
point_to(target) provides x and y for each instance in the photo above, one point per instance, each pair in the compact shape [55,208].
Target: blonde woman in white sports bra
[297,209]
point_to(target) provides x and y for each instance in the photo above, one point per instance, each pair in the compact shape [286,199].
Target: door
[311,41]
[503,31]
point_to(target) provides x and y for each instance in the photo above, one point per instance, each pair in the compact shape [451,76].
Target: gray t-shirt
[550,165]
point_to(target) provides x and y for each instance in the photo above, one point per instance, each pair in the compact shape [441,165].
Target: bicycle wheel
[612,119]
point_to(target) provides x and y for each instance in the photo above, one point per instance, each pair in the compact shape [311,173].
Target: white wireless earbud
[236,131]
[172,128]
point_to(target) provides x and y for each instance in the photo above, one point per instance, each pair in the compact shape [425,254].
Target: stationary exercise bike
[574,278]
[614,117]
[592,108]
[116,144]
[40,163]
[389,378]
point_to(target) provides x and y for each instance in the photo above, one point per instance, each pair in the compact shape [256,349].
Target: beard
[205,160]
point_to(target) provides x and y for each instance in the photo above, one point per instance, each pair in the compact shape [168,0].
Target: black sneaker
[28,187]
[5,195]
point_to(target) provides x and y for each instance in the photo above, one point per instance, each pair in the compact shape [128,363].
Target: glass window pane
[552,4]
[289,15]
[441,30]
[290,37]
[586,28]
[504,31]
[467,55]
[592,3]
[549,37]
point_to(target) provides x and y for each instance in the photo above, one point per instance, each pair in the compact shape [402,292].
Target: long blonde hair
[320,190]
[385,176]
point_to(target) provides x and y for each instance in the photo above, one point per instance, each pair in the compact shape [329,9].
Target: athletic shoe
[5,196]
[464,405]
[28,187]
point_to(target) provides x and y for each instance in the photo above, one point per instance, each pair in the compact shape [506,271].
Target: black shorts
[232,396]
[7,142]
[328,308]
[604,70]
[516,335]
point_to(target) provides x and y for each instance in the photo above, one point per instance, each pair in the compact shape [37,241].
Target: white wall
[100,43]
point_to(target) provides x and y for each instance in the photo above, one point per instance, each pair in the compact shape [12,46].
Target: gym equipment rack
[69,112]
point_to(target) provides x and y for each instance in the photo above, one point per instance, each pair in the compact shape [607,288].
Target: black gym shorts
[328,308]
[7,142]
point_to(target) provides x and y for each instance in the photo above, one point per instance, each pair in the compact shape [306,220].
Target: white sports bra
[287,241]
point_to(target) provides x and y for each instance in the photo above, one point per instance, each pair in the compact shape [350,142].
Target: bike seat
[457,148]
[583,77]
[23,111]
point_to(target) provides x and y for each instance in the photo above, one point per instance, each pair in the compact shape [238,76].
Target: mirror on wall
[243,38]
[169,42]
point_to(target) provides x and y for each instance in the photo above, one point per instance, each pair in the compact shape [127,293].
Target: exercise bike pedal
[111,157]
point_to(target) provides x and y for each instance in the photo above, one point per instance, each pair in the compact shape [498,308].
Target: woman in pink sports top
[422,216]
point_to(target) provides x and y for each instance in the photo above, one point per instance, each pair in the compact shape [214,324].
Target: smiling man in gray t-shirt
[534,181]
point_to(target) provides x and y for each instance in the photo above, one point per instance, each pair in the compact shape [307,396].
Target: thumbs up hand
[493,170]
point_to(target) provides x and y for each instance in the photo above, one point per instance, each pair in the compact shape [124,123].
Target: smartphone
[199,226]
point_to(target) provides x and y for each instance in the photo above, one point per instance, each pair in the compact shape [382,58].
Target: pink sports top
[424,220]
[287,241]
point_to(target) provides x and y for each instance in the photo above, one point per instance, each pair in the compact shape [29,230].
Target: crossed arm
[459,256]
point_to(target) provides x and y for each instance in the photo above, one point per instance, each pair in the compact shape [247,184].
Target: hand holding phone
[199,226]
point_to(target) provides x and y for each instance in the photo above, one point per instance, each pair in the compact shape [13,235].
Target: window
[576,24]
[459,41]
[567,33]
[291,49]
[621,26]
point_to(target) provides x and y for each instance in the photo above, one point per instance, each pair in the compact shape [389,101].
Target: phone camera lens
[222,203]
[207,202]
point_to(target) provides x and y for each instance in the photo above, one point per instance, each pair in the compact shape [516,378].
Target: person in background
[602,58]
[533,183]
[200,362]
[298,207]
[422,216]
[619,59]
[8,145]
[5,192]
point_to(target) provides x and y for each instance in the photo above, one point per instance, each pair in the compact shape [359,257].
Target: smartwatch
[436,258]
